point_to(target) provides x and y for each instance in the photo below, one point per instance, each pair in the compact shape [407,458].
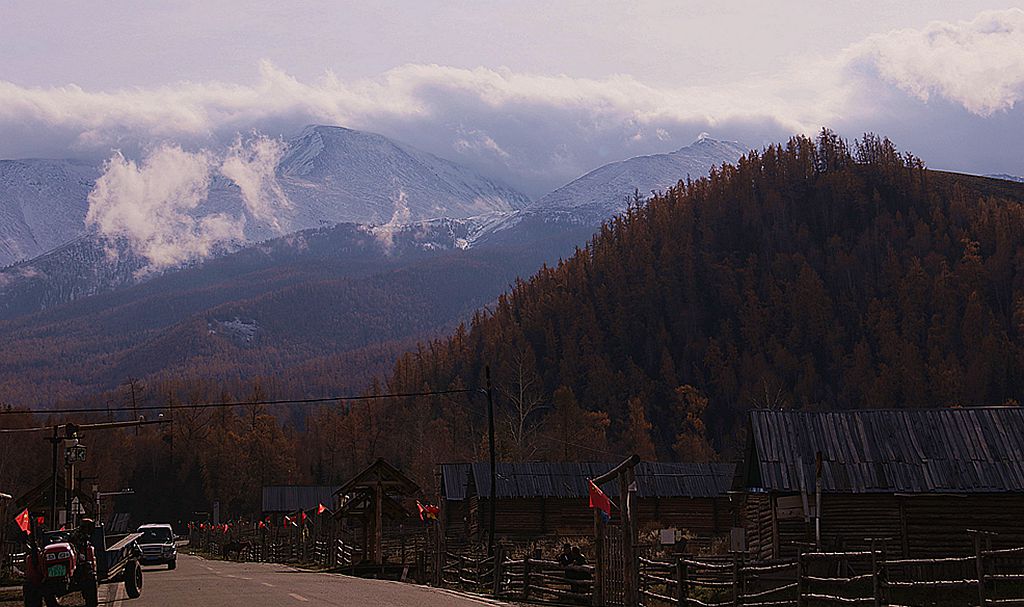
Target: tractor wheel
[90,593]
[133,579]
[33,597]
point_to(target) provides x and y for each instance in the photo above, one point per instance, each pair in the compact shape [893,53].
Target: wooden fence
[987,578]
[527,579]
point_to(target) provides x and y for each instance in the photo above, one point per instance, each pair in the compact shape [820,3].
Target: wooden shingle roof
[957,450]
[569,480]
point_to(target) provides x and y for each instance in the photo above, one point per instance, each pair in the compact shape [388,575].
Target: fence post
[735,579]
[876,585]
[526,577]
[682,581]
[799,579]
[499,556]
[597,594]
[979,560]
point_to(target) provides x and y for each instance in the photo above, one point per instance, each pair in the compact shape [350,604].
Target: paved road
[226,584]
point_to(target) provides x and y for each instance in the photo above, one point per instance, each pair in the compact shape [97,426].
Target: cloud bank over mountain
[540,131]
[153,205]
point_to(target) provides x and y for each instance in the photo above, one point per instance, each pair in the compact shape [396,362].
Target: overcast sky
[535,93]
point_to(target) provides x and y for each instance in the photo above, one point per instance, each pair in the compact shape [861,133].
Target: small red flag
[427,511]
[303,516]
[24,522]
[600,502]
[321,509]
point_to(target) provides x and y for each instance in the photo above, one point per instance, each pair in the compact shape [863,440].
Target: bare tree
[524,395]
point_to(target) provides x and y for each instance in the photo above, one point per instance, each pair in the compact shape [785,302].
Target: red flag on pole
[321,509]
[24,522]
[600,502]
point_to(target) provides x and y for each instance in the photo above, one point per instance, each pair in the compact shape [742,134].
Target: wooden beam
[628,463]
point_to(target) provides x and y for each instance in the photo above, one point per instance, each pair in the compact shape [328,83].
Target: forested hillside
[815,274]
[812,275]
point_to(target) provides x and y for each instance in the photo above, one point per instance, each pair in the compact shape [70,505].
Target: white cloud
[252,165]
[978,64]
[149,206]
[538,131]
[385,234]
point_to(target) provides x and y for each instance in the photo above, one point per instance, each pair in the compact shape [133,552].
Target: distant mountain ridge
[1007,177]
[406,199]
[329,174]
[341,175]
[604,192]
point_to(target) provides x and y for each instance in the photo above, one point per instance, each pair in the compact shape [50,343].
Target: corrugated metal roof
[290,498]
[569,480]
[454,480]
[962,450]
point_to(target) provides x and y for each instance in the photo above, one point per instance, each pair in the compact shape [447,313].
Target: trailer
[55,568]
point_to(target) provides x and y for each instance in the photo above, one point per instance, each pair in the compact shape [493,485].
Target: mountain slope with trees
[815,274]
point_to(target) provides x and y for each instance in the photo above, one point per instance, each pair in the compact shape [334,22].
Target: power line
[580,446]
[215,405]
[101,426]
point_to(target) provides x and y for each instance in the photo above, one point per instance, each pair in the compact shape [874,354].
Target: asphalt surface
[198,581]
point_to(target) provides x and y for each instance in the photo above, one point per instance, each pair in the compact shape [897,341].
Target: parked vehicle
[57,564]
[157,543]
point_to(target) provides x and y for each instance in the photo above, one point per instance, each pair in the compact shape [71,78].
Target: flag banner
[321,509]
[600,502]
[24,522]
[427,512]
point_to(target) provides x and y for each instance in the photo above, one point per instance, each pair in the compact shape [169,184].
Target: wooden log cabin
[535,500]
[921,478]
[452,481]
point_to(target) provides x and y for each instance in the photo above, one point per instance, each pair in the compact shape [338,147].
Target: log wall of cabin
[918,526]
[456,523]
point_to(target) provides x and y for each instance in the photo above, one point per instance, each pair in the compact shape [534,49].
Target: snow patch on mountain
[606,191]
[257,189]
[42,205]
[1007,177]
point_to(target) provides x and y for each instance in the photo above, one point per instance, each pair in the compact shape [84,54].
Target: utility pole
[55,440]
[135,408]
[494,466]
[72,429]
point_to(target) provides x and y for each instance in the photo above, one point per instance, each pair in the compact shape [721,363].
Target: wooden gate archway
[616,576]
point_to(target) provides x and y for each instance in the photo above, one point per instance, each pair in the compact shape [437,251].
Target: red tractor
[68,562]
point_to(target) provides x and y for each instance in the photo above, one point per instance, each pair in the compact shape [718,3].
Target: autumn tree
[572,433]
[692,442]
[637,436]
